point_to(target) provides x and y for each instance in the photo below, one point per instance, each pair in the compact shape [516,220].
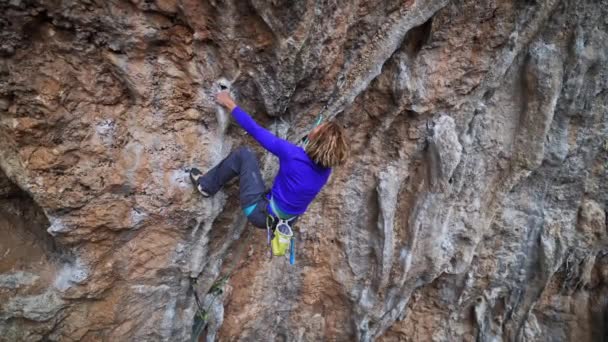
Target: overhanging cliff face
[474,204]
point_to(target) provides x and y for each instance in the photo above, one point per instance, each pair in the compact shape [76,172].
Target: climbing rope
[322,113]
[202,314]
[318,121]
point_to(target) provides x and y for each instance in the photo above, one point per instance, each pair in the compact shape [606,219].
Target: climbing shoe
[195,174]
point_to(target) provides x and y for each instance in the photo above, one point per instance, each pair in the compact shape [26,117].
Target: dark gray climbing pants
[241,162]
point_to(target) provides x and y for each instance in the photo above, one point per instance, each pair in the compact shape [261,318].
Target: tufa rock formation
[473,206]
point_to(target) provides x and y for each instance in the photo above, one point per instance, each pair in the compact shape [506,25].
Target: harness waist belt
[278,212]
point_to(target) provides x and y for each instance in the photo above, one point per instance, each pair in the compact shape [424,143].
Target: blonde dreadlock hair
[327,146]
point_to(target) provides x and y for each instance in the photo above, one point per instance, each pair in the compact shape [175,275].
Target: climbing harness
[280,236]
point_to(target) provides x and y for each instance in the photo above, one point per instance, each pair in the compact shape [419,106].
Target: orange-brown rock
[473,206]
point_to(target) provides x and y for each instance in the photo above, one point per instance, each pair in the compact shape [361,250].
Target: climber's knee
[245,155]
[244,151]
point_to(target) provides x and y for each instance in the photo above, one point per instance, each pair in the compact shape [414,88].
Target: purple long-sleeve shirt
[299,179]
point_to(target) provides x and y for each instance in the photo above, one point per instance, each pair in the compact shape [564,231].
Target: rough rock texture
[473,207]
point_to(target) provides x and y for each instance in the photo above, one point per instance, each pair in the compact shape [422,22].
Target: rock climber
[302,173]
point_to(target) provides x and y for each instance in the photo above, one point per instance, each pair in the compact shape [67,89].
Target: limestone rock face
[473,206]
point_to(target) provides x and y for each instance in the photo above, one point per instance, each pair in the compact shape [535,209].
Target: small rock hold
[7,50]
[201,36]
[16,3]
[114,46]
[193,114]
[4,104]
[3,68]
[592,219]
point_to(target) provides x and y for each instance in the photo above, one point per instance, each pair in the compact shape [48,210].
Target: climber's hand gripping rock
[224,99]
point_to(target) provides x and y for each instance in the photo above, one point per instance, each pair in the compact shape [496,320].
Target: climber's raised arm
[269,141]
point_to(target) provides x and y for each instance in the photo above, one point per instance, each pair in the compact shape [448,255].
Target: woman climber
[302,173]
